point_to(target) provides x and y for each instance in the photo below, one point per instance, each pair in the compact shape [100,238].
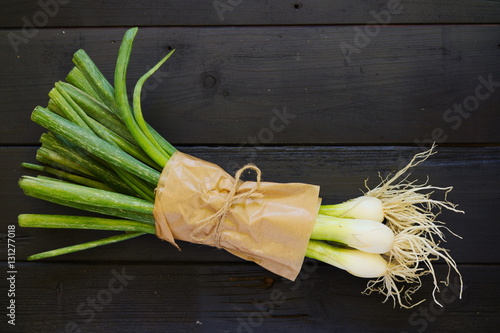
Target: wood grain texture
[225,85]
[237,298]
[340,171]
[411,78]
[240,12]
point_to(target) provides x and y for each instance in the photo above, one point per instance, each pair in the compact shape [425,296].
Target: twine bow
[231,198]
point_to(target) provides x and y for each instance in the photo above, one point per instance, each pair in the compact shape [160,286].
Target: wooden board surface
[256,12]
[410,84]
[237,298]
[355,96]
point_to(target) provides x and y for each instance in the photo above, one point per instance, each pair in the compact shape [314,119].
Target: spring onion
[365,235]
[358,263]
[364,207]
[106,159]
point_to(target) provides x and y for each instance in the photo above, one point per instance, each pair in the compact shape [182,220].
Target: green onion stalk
[100,155]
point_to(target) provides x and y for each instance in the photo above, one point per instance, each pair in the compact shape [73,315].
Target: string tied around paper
[231,198]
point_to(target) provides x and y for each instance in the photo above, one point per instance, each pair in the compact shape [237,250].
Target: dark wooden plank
[340,171]
[236,298]
[256,12]
[225,85]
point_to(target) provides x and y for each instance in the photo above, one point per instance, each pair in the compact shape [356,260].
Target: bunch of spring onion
[104,158]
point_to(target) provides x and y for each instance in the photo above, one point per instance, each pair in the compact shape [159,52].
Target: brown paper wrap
[268,223]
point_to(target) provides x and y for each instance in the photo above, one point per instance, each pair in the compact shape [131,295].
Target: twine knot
[231,198]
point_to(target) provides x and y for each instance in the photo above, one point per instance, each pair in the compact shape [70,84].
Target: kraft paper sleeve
[268,223]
